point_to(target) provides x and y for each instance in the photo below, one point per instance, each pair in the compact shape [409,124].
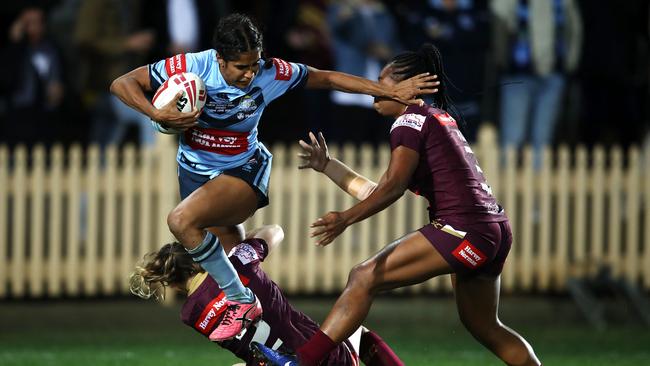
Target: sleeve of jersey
[162,70]
[260,246]
[407,130]
[283,76]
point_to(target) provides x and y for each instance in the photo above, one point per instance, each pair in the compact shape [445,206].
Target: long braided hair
[171,265]
[235,34]
[426,59]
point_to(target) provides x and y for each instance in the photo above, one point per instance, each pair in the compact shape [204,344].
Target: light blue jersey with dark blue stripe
[226,135]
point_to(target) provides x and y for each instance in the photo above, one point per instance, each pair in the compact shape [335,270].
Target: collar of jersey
[195,282]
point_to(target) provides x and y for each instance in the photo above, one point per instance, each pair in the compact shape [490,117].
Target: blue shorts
[256,172]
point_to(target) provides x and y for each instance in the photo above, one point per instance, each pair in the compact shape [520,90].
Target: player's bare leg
[477,299]
[225,202]
[222,201]
[409,260]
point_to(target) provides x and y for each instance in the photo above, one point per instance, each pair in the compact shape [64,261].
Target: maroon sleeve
[260,246]
[250,252]
[407,130]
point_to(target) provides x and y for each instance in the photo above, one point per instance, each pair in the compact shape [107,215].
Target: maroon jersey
[448,174]
[282,327]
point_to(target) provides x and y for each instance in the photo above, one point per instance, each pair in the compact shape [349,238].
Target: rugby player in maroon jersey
[468,235]
[281,327]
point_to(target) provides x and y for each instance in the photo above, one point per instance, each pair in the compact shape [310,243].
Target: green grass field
[135,332]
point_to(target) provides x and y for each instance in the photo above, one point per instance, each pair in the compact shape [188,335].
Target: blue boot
[273,357]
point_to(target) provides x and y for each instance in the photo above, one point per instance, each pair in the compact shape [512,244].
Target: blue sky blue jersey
[226,136]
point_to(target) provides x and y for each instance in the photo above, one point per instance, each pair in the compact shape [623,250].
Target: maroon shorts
[479,248]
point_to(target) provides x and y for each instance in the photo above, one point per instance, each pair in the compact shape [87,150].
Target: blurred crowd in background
[542,71]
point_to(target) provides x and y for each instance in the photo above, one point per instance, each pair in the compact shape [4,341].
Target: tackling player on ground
[223,169]
[469,235]
[281,327]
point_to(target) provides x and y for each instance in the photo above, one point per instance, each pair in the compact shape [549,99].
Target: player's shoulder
[442,117]
[203,57]
[275,69]
[414,117]
[193,62]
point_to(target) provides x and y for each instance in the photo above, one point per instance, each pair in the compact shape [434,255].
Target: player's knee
[363,275]
[178,221]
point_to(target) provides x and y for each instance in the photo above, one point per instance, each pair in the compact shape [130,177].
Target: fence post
[563,188]
[274,265]
[513,266]
[581,189]
[74,194]
[19,209]
[615,185]
[646,224]
[91,242]
[543,220]
[4,207]
[127,216]
[54,275]
[293,207]
[36,223]
[109,187]
[597,212]
[632,215]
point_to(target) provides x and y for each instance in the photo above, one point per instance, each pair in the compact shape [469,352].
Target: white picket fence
[73,223]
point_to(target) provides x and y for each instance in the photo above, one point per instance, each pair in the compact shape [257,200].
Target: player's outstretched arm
[316,156]
[405,91]
[391,187]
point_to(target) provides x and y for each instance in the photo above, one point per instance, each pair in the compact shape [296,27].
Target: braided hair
[235,34]
[171,265]
[426,59]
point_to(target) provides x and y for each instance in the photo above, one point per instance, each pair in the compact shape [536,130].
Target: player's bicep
[317,79]
[140,76]
[403,162]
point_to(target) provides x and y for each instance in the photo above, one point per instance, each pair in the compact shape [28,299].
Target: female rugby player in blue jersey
[281,327]
[469,235]
[223,169]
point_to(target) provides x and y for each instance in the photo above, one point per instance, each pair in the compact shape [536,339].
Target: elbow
[277,233]
[396,193]
[115,86]
[271,234]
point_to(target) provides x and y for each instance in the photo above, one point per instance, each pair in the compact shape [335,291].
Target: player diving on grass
[223,170]
[281,327]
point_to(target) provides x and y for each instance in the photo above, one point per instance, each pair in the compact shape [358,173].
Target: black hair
[426,59]
[235,34]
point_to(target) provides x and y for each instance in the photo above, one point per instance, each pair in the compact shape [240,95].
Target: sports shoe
[271,356]
[237,317]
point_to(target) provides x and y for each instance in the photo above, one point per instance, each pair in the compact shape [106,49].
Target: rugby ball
[194,94]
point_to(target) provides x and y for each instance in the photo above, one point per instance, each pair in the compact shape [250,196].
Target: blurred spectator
[614,72]
[180,26]
[309,42]
[34,88]
[111,43]
[537,44]
[460,29]
[364,38]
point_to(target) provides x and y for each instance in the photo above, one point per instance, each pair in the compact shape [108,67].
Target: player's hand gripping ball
[194,94]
